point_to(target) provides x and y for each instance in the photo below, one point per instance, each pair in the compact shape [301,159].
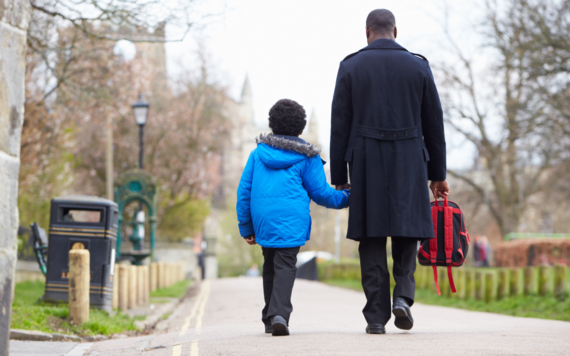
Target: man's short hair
[287,117]
[381,21]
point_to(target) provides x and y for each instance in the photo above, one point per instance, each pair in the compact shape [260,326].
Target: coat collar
[384,43]
[289,143]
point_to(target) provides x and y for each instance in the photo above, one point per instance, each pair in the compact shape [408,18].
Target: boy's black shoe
[403,314]
[268,329]
[279,326]
[375,329]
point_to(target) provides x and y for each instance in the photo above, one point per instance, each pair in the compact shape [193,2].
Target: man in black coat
[387,124]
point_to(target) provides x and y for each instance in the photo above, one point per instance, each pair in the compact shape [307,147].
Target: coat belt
[387,134]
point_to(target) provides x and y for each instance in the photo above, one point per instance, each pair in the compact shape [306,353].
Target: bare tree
[510,112]
[102,21]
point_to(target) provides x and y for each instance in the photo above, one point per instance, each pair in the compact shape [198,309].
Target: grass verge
[531,306]
[176,290]
[28,314]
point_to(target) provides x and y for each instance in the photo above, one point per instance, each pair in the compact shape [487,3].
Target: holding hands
[342,186]
[251,240]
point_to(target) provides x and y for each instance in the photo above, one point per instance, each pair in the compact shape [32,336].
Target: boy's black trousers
[376,277]
[279,272]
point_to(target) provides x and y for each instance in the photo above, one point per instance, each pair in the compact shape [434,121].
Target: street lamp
[140,110]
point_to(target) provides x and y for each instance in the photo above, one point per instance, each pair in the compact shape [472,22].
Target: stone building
[14,20]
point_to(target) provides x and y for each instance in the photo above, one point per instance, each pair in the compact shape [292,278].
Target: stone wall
[177,252]
[14,19]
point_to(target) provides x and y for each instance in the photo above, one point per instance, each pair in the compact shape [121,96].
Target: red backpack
[451,243]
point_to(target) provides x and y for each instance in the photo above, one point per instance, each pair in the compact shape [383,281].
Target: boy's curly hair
[287,117]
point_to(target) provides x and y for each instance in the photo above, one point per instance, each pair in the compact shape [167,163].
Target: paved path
[222,318]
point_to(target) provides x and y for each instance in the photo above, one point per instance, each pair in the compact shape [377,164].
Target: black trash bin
[91,221]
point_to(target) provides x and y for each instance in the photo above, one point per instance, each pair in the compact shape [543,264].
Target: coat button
[406,133]
[395,134]
[382,134]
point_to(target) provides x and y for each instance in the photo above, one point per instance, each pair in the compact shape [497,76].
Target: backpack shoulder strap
[433,245]
[448,240]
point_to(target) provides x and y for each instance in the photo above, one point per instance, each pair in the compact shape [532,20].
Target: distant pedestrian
[387,124]
[484,251]
[477,250]
[253,271]
[280,178]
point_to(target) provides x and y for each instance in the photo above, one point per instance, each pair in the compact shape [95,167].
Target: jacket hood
[278,152]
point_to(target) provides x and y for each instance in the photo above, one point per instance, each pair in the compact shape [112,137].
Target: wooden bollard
[153,276]
[133,290]
[502,286]
[427,278]
[489,286]
[469,283]
[79,285]
[115,277]
[443,282]
[478,285]
[124,284]
[429,283]
[543,279]
[514,282]
[459,283]
[559,280]
[168,274]
[176,272]
[419,277]
[528,281]
[140,285]
[161,275]
[146,284]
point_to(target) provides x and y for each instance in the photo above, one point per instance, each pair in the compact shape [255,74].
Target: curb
[31,335]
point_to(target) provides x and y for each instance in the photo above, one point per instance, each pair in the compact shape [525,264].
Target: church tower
[311,133]
[246,103]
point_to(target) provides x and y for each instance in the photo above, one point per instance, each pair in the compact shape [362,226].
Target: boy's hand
[251,240]
[342,186]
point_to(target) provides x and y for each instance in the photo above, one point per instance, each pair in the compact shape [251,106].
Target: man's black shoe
[403,314]
[268,329]
[279,326]
[375,329]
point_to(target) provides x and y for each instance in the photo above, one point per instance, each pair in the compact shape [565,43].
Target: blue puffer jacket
[281,177]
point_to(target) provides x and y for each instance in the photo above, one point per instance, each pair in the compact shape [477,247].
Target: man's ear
[395,32]
[367,32]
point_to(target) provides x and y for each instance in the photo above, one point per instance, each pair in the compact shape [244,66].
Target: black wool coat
[387,124]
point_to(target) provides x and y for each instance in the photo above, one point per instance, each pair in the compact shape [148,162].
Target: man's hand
[342,186]
[439,189]
[251,240]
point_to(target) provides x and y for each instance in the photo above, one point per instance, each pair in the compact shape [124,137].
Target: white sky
[291,49]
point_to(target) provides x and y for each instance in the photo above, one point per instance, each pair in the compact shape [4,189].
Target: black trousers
[279,272]
[376,277]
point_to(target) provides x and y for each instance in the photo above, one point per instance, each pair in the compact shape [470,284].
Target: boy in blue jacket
[280,178]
